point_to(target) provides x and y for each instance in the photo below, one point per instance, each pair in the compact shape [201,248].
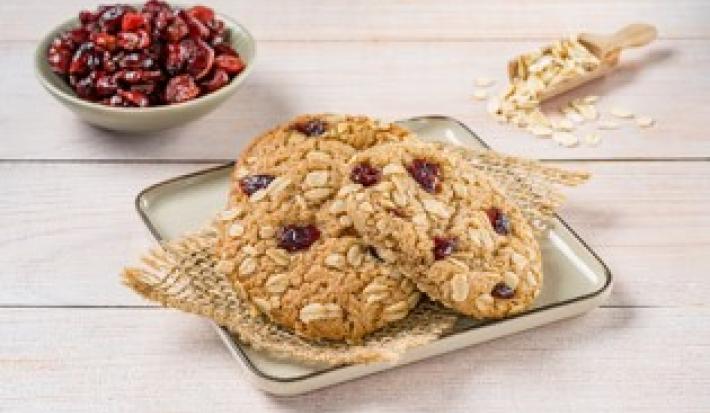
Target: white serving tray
[576,280]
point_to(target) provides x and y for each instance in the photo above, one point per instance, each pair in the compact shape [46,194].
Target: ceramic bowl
[136,120]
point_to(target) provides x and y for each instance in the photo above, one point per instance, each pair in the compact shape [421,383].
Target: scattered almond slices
[607,125]
[484,82]
[563,125]
[572,114]
[587,110]
[645,121]
[540,131]
[622,113]
[592,139]
[565,139]
[590,100]
[480,94]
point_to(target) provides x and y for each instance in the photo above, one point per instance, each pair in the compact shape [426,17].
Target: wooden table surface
[73,339]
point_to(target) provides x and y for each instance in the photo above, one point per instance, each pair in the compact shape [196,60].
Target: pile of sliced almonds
[520,103]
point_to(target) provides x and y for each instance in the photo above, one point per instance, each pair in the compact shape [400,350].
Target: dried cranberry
[176,30]
[231,64]
[84,87]
[145,88]
[221,47]
[443,247]
[59,60]
[111,18]
[365,174]
[134,97]
[85,59]
[202,13]
[197,28]
[501,290]
[426,174]
[294,237]
[75,37]
[106,85]
[104,41]
[217,28]
[86,17]
[181,89]
[136,60]
[139,76]
[313,127]
[161,20]
[499,221]
[117,100]
[155,6]
[175,58]
[252,183]
[201,58]
[133,40]
[219,79]
[132,21]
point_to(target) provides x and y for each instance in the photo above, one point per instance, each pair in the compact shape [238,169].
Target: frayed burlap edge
[181,275]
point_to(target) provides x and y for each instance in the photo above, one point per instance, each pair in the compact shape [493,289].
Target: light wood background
[72,339]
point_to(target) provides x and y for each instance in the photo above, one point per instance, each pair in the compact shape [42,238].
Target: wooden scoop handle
[633,35]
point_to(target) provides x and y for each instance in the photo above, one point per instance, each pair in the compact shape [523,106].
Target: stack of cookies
[339,225]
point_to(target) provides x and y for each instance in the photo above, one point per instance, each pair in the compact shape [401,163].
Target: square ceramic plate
[576,280]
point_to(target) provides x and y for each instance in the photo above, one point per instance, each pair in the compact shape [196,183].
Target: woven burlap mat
[181,274]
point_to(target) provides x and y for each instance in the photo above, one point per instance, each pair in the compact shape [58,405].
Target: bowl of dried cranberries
[142,68]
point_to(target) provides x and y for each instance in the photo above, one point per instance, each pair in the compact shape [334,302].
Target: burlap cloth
[181,274]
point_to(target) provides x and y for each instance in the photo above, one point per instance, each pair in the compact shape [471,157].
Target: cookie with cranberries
[445,224]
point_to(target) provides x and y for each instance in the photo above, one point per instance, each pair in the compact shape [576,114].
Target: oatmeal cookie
[445,224]
[297,263]
[314,138]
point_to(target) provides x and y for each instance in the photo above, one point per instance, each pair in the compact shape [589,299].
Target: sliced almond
[459,287]
[540,131]
[565,139]
[277,283]
[590,99]
[393,168]
[572,114]
[437,208]
[622,113]
[279,256]
[317,194]
[607,125]
[236,230]
[354,255]
[248,266]
[480,94]
[592,139]
[484,82]
[316,179]
[511,280]
[645,121]
[563,125]
[335,261]
[266,232]
[337,206]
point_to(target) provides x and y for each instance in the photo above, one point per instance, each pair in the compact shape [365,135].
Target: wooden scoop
[607,48]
